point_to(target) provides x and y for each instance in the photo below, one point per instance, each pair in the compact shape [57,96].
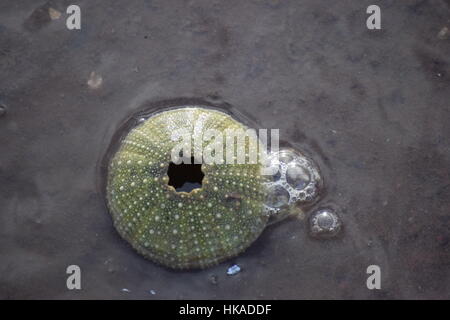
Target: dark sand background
[371,107]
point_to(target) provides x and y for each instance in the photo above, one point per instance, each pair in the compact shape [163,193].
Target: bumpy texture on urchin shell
[177,229]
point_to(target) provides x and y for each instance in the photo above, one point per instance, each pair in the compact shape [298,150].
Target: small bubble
[325,223]
[95,80]
[277,196]
[274,177]
[286,156]
[298,176]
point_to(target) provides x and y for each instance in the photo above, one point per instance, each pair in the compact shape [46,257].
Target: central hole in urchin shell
[185,177]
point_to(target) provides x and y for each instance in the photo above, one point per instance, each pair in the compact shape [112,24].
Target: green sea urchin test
[182,230]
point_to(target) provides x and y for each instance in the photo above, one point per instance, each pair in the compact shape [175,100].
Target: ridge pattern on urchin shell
[177,229]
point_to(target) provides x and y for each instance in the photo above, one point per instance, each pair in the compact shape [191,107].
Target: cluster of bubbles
[296,179]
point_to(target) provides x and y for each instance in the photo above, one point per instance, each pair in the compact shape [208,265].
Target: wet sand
[371,108]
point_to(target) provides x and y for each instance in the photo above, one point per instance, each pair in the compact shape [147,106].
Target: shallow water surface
[370,107]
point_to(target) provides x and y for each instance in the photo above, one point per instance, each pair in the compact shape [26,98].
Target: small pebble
[125,290]
[95,80]
[213,279]
[233,270]
[152,292]
[444,33]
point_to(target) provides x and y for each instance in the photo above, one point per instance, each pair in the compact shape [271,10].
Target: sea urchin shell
[178,229]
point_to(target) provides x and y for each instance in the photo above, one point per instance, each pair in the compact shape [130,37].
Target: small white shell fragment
[444,33]
[95,80]
[233,270]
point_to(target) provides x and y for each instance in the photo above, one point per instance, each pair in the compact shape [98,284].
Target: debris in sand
[95,80]
[54,14]
[213,279]
[444,33]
